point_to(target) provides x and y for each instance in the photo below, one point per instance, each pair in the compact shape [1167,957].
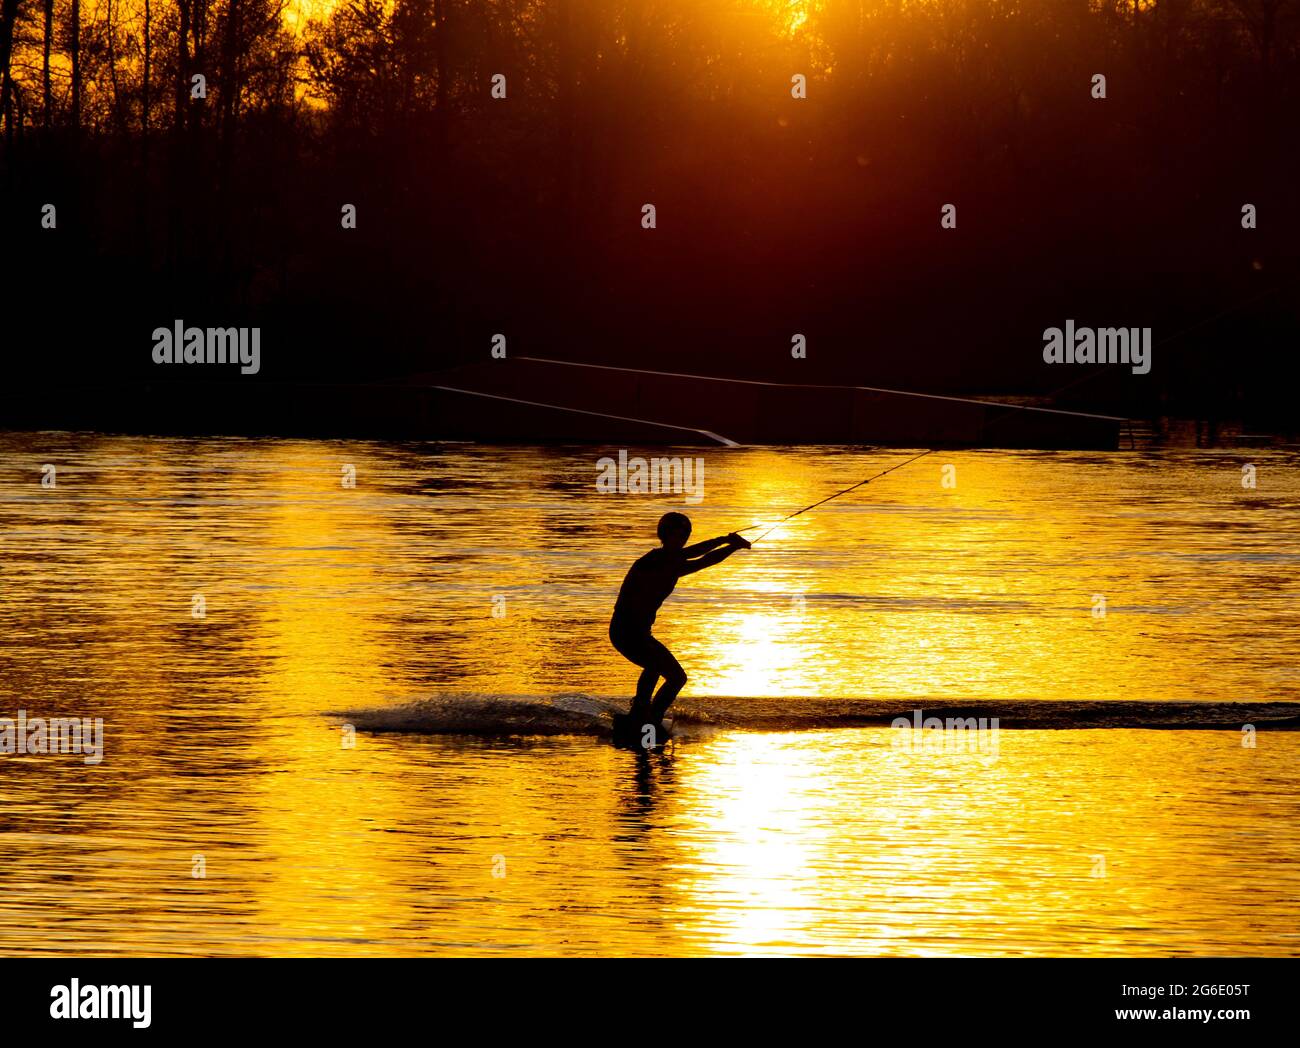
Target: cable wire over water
[822,502]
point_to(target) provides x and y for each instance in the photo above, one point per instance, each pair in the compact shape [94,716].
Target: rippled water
[221,753]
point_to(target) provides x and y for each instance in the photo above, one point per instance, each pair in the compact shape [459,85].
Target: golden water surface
[457,569]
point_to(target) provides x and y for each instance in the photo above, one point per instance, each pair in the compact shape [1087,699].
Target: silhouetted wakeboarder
[648,583]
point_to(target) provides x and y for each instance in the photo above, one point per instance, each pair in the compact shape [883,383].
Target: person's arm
[731,543]
[700,548]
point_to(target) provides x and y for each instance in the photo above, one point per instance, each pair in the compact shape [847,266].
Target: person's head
[674,530]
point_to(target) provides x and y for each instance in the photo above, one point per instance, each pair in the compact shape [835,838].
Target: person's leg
[645,688]
[639,649]
[674,679]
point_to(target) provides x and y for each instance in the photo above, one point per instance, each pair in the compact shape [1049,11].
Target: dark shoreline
[420,410]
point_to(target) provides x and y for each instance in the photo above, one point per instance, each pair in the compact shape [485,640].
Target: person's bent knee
[676,677]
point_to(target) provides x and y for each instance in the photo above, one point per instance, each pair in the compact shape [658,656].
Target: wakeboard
[641,733]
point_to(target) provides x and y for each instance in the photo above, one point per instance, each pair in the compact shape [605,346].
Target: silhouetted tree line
[198,154]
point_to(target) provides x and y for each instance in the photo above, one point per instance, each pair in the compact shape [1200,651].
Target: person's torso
[648,583]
